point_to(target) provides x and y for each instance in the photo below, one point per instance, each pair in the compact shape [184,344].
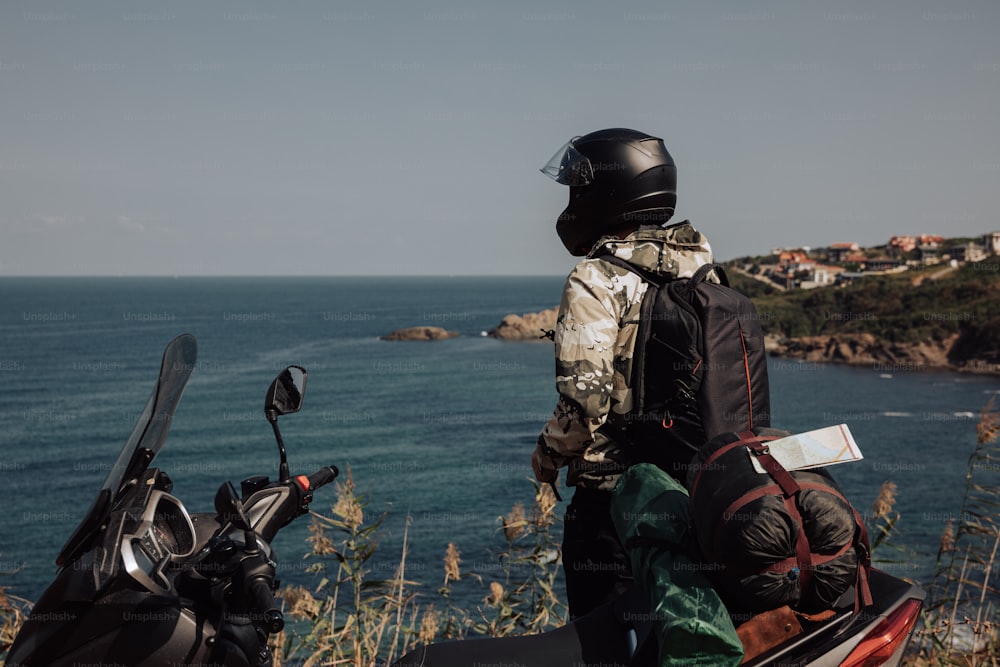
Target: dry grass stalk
[320,543]
[961,594]
[352,620]
[13,612]
[452,559]
[988,428]
[882,507]
[947,538]
[982,624]
[300,603]
[399,582]
[496,594]
[514,524]
[545,502]
[428,626]
[350,511]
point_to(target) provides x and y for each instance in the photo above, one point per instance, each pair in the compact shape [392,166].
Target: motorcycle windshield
[145,441]
[150,431]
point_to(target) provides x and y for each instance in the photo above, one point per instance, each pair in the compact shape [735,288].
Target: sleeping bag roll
[773,544]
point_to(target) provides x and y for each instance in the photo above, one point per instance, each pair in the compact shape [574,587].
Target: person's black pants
[594,561]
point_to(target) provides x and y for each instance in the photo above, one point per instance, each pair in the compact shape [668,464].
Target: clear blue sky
[338,137]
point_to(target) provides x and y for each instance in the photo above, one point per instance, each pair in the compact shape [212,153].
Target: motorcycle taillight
[887,640]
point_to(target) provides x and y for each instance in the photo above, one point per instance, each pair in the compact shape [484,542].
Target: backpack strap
[702,274]
[646,275]
[742,440]
[699,276]
[645,321]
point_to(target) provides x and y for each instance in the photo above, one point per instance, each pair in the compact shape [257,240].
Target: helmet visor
[569,166]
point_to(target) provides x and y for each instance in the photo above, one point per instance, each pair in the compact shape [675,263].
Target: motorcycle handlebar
[272,506]
[261,598]
[322,477]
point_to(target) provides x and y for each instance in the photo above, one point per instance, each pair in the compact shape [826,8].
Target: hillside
[957,312]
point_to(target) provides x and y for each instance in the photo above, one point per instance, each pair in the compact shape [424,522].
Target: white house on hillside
[992,243]
[821,275]
[970,252]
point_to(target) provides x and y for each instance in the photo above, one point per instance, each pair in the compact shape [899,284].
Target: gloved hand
[545,470]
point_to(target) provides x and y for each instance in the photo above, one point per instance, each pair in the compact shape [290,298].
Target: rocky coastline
[865,349]
[855,349]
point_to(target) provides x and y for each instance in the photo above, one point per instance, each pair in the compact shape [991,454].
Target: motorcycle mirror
[284,397]
[286,392]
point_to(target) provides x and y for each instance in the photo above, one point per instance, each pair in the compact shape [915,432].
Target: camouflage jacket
[594,340]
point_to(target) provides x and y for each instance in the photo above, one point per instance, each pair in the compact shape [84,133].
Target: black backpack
[699,368]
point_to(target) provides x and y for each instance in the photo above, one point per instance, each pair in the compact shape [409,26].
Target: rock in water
[530,326]
[420,333]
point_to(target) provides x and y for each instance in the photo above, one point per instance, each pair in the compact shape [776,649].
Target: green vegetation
[925,304]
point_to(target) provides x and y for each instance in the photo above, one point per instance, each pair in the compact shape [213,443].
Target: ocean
[438,434]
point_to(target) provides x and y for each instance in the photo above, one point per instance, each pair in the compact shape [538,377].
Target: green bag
[650,511]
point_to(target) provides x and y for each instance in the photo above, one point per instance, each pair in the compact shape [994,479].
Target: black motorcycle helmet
[618,178]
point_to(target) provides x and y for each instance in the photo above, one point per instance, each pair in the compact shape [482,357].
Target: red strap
[746,372]
[802,550]
[769,490]
[790,489]
[727,514]
[744,438]
[777,471]
[864,597]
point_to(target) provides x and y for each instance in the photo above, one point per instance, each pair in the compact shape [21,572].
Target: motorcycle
[141,582]
[144,583]
[621,634]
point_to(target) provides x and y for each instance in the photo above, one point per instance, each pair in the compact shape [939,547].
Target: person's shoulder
[598,268]
[685,232]
[610,283]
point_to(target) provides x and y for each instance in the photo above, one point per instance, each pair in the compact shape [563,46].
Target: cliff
[944,321]
[865,349]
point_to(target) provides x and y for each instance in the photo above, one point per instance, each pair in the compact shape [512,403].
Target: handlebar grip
[322,476]
[262,600]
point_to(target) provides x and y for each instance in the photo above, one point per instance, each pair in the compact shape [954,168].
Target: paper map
[813,449]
